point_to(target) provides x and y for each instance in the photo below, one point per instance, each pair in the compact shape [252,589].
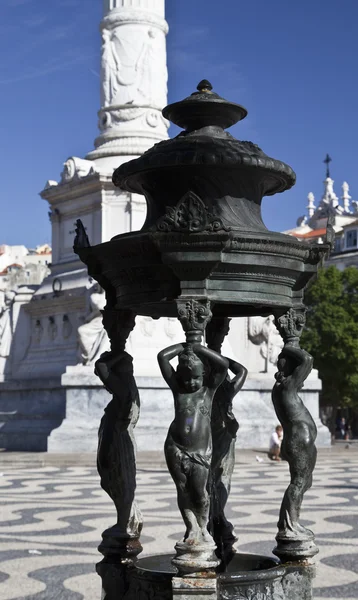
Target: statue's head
[190,371]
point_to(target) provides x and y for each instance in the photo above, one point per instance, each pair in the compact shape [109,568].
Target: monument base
[30,410]
[257,419]
[86,399]
[63,416]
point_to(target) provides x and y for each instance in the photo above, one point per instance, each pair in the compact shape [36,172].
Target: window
[351,238]
[337,244]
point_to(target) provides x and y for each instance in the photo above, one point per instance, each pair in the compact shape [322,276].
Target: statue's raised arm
[303,365]
[240,373]
[164,358]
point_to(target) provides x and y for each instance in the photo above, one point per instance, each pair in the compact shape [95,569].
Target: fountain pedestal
[249,577]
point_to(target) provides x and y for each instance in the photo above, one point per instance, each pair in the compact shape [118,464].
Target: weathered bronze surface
[224,428]
[204,235]
[294,541]
[203,255]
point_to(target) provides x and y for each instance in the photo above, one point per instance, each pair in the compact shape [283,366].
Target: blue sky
[293,65]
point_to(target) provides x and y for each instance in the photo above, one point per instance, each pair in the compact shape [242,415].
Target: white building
[21,266]
[343,214]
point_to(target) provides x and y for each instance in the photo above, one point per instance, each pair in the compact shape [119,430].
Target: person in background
[343,429]
[275,443]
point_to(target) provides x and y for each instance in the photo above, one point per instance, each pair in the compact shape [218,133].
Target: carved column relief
[133,77]
[66,327]
[52,329]
[38,331]
[194,315]
[262,332]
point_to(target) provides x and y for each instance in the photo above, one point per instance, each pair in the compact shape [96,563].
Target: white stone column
[133,80]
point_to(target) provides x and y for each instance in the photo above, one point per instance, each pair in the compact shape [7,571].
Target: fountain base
[247,577]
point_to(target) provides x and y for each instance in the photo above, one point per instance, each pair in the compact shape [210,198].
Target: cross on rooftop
[327,160]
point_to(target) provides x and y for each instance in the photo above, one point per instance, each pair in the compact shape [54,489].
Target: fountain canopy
[204,235]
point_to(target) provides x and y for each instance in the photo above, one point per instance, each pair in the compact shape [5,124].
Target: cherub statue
[224,427]
[298,446]
[116,444]
[188,447]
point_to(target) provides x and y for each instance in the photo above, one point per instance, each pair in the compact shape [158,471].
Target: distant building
[312,226]
[21,266]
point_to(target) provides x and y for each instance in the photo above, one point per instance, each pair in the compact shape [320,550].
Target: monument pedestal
[64,415]
[30,410]
[85,399]
[254,410]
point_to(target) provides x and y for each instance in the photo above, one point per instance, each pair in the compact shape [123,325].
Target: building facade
[50,398]
[343,216]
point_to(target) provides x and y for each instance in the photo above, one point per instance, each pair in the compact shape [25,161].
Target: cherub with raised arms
[188,447]
[224,427]
[298,446]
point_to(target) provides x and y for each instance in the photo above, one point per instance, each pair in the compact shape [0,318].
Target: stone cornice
[77,187]
[137,17]
[49,306]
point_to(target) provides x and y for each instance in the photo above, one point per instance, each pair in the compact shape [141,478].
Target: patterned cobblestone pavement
[51,519]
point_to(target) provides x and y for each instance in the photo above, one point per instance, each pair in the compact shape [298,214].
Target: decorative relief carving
[257,592]
[66,327]
[52,329]
[194,316]
[153,118]
[147,326]
[269,247]
[190,215]
[291,324]
[76,168]
[92,337]
[38,331]
[262,332]
[170,327]
[133,69]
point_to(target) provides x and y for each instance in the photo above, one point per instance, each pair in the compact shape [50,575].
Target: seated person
[275,443]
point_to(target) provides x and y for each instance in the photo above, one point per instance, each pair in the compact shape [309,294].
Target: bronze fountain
[205,256]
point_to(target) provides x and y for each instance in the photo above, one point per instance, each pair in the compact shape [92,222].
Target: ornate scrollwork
[190,215]
[291,324]
[252,593]
[194,316]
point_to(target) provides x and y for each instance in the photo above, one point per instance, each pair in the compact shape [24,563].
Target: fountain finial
[204,86]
